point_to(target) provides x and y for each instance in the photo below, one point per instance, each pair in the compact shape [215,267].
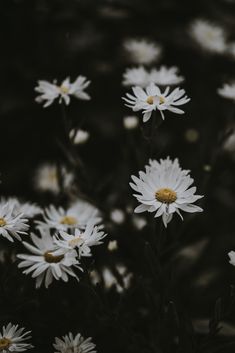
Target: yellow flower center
[150,100]
[161,100]
[166,195]
[50,258]
[64,89]
[2,222]
[4,343]
[70,221]
[75,241]
[53,176]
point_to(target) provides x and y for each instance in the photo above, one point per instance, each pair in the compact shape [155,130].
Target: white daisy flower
[28,209]
[76,216]
[137,76]
[142,51]
[12,339]
[231,255]
[165,191]
[165,76]
[130,122]
[47,178]
[12,224]
[43,264]
[153,99]
[77,344]
[227,91]
[81,241]
[165,164]
[51,91]
[209,36]
[79,137]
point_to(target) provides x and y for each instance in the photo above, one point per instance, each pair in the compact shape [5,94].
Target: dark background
[55,39]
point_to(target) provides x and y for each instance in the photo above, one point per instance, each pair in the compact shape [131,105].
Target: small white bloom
[76,216]
[51,91]
[142,51]
[130,122]
[112,245]
[231,49]
[165,190]
[110,280]
[137,76]
[28,209]
[12,339]
[139,222]
[79,136]
[165,76]
[117,216]
[43,264]
[231,255]
[81,241]
[47,178]
[229,143]
[77,344]
[209,36]
[12,223]
[153,99]
[227,91]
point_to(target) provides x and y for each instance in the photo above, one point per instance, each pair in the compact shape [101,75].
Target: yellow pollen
[75,241]
[150,100]
[161,100]
[64,89]
[2,222]
[52,258]
[70,221]
[166,195]
[4,343]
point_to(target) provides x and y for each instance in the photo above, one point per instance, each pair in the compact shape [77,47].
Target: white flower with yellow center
[81,241]
[76,216]
[227,91]
[153,99]
[12,223]
[12,339]
[142,51]
[43,264]
[71,344]
[137,76]
[165,76]
[165,190]
[51,91]
[209,36]
[47,178]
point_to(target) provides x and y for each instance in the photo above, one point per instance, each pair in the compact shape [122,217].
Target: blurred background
[167,310]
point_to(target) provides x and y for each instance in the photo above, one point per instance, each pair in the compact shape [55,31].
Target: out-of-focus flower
[209,36]
[117,216]
[227,91]
[81,241]
[47,178]
[231,255]
[137,76]
[165,190]
[51,91]
[43,264]
[191,135]
[12,224]
[165,76]
[142,51]
[110,280]
[79,136]
[76,216]
[231,50]
[112,245]
[138,222]
[153,99]
[229,143]
[28,209]
[77,344]
[130,122]
[12,339]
